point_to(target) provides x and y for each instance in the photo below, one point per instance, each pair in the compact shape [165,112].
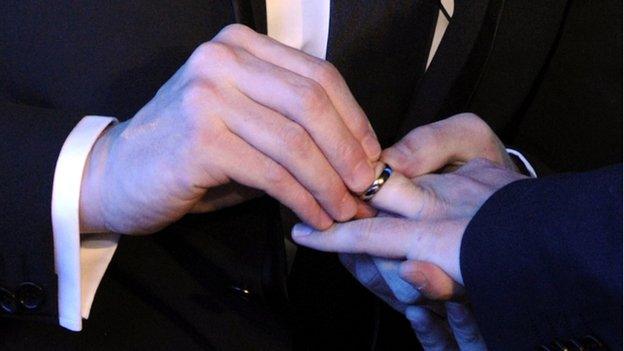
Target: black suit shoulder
[541,261]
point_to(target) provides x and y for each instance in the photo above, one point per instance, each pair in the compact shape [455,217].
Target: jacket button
[8,303]
[241,291]
[30,295]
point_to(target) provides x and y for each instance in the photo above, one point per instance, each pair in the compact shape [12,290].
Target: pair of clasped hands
[246,115]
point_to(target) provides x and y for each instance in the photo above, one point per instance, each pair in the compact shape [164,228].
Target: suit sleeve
[542,262]
[30,142]
[49,271]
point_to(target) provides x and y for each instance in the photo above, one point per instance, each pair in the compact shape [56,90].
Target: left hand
[446,145]
[441,146]
[434,212]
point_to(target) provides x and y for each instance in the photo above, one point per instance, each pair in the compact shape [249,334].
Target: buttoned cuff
[530,171]
[80,263]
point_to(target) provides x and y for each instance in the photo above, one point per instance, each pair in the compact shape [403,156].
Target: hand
[243,110]
[445,325]
[433,213]
[438,325]
[453,329]
[446,145]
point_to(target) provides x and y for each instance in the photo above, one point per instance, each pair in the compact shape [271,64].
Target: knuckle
[422,137]
[475,123]
[234,31]
[276,177]
[310,97]
[198,121]
[326,73]
[209,52]
[361,236]
[467,116]
[196,93]
[296,139]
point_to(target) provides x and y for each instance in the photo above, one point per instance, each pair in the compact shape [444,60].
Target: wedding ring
[377,184]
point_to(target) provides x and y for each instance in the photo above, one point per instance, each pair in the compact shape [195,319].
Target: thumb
[452,141]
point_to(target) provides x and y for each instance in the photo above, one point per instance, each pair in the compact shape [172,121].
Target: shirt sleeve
[527,165]
[80,262]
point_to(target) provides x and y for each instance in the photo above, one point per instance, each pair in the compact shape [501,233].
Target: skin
[424,228]
[244,112]
[424,225]
[438,323]
[446,145]
[246,115]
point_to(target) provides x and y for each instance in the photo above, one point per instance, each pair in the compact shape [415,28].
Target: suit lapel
[380,47]
[258,7]
[489,60]
[451,57]
[526,40]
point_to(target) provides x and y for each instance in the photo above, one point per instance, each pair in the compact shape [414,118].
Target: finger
[292,147]
[401,290]
[430,280]
[431,331]
[367,272]
[464,327]
[390,237]
[246,165]
[401,196]
[364,210]
[319,70]
[305,102]
[454,140]
[379,236]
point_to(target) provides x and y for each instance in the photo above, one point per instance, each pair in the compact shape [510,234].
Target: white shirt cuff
[80,264]
[524,161]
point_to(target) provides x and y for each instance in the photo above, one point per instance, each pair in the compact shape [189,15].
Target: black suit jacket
[520,64]
[542,262]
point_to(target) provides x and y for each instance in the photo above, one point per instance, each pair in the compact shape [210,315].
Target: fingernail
[420,280]
[362,176]
[414,277]
[371,147]
[301,229]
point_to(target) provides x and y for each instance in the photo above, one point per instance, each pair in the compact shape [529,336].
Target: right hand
[244,109]
[445,325]
[438,324]
[448,327]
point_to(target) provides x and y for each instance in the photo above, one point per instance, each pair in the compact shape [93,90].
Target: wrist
[91,214]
